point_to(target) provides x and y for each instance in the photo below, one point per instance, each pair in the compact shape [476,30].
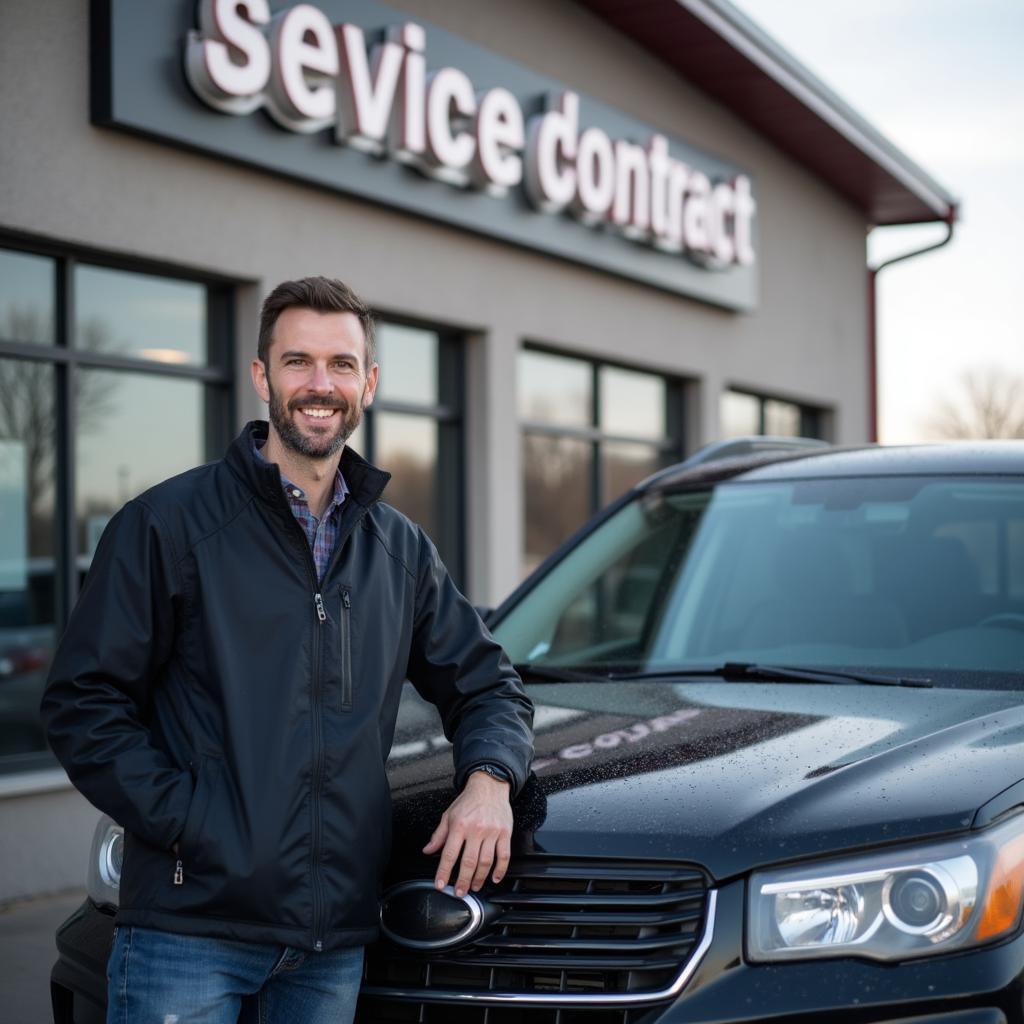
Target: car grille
[569,933]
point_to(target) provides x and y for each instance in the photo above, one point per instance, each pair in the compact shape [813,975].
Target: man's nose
[321,379]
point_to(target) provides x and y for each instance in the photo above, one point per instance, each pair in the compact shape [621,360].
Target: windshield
[912,575]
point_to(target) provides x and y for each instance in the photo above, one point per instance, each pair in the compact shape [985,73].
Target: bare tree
[989,402]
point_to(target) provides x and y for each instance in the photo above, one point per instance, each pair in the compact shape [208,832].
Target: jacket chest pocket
[345,647]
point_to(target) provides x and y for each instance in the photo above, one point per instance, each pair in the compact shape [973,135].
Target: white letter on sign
[220,81]
[450,97]
[553,138]
[301,95]
[745,209]
[631,210]
[408,134]
[364,108]
[499,138]
[595,176]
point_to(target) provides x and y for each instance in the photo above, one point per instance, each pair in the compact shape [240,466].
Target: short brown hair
[322,295]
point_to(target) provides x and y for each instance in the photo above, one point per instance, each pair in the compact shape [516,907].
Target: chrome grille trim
[607,1000]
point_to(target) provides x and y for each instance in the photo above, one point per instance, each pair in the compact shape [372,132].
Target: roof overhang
[725,55]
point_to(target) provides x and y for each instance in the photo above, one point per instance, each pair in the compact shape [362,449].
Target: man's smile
[317,412]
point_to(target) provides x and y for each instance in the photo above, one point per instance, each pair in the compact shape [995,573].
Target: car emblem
[416,915]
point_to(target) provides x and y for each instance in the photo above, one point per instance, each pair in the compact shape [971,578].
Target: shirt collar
[295,493]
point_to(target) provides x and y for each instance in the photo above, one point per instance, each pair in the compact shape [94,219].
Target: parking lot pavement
[27,952]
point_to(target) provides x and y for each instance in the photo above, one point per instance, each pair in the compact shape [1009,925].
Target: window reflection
[408,359]
[407,448]
[555,389]
[129,314]
[27,297]
[570,441]
[133,431]
[27,568]
[556,493]
[781,419]
[744,414]
[414,431]
[626,464]
[741,414]
[633,404]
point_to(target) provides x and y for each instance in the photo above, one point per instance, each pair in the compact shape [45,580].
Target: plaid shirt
[323,532]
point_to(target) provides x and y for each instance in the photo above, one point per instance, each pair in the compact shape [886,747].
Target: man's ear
[370,388]
[259,379]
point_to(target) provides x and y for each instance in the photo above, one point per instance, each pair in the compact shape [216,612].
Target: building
[598,235]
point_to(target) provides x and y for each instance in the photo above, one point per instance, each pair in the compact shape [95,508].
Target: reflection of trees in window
[744,413]
[412,487]
[556,475]
[591,430]
[414,431]
[28,414]
[626,465]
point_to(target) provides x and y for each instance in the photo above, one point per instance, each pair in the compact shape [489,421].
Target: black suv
[780,753]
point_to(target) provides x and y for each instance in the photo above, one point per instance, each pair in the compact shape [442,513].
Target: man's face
[317,383]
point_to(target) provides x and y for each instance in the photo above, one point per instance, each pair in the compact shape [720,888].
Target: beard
[325,442]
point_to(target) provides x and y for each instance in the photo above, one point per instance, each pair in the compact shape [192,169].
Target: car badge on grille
[416,915]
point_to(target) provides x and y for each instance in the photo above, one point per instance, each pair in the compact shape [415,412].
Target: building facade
[596,239]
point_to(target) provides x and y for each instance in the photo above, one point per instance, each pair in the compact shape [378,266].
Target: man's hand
[479,824]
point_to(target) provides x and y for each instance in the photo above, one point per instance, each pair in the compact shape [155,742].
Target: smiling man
[227,690]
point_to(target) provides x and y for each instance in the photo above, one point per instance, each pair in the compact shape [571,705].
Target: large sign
[355,96]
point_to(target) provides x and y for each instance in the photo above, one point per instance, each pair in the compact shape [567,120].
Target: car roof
[958,458]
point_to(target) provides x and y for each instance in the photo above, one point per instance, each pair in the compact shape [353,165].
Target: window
[743,414]
[414,431]
[591,430]
[111,379]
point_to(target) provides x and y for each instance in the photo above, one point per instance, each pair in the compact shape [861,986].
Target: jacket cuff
[462,774]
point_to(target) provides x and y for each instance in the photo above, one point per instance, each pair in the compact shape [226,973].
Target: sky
[944,81]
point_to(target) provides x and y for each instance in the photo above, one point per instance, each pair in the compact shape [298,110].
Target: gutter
[872,303]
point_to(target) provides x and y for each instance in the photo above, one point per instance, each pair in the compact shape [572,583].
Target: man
[227,690]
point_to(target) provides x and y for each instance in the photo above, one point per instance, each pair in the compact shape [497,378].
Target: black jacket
[209,691]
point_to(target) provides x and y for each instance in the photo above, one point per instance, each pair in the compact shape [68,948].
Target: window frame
[813,418]
[671,445]
[448,412]
[217,377]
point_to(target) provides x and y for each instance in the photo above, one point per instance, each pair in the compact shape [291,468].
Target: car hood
[736,775]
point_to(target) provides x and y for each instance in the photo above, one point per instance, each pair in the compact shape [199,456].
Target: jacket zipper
[179,870]
[318,771]
[346,651]
[318,766]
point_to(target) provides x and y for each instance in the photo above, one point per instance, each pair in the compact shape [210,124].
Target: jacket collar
[365,482]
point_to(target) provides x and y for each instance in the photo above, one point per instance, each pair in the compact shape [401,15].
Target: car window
[899,572]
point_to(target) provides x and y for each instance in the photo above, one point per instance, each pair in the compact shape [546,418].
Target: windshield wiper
[732,671]
[738,671]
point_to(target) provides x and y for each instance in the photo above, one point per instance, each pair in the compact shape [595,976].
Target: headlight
[104,878]
[891,905]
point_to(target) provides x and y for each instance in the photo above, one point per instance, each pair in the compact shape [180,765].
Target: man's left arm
[459,667]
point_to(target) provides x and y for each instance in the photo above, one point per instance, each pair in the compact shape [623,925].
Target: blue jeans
[157,977]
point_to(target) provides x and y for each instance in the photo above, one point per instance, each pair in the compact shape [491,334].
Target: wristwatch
[496,771]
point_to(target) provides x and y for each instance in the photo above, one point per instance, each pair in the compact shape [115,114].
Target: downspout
[873,272]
